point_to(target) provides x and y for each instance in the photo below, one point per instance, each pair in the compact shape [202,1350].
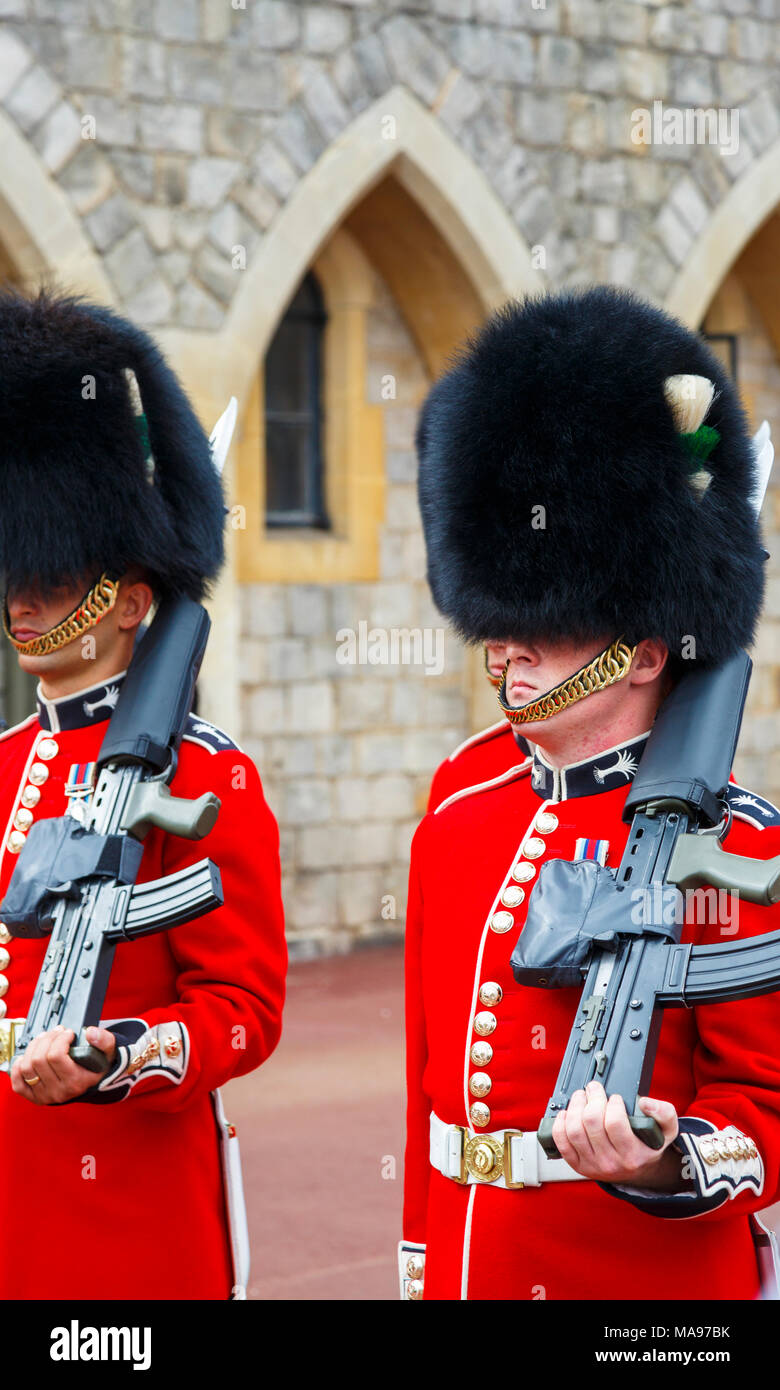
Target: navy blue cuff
[718,1165]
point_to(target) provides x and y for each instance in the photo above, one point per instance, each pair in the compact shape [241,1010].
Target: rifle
[76,882]
[586,922]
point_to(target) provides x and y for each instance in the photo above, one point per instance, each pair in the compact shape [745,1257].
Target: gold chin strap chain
[99,601]
[494,680]
[609,666]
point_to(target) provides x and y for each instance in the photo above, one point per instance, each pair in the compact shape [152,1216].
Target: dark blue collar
[615,767]
[86,707]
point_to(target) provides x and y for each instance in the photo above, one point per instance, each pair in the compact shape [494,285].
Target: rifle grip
[648,1130]
[87,1056]
[643,1126]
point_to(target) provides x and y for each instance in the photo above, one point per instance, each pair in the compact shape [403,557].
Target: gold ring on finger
[32,1080]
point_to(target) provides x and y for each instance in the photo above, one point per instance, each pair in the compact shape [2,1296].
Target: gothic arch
[750,200]
[395,135]
[39,231]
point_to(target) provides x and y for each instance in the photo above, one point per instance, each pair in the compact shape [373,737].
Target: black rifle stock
[633,968]
[76,882]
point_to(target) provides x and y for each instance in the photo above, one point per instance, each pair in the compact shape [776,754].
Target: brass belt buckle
[9,1027]
[509,1135]
[484,1157]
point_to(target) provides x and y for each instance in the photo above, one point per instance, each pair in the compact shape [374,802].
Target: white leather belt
[504,1158]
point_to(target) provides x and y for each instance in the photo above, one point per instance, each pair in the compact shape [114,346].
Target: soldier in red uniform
[486,754]
[125,1185]
[623,427]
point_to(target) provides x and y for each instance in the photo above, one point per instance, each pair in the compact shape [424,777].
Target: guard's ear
[650,659]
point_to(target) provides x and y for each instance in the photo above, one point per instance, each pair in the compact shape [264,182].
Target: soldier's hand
[595,1137]
[59,1077]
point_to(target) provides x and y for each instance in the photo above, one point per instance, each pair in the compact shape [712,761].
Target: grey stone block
[15,59]
[674,27]
[135,171]
[130,262]
[233,134]
[363,700]
[675,234]
[760,120]
[87,179]
[752,41]
[370,58]
[600,71]
[275,170]
[116,122]
[412,57]
[275,23]
[264,610]
[215,270]
[255,81]
[559,62]
[290,757]
[325,29]
[333,755]
[177,19]
[90,60]
[585,19]
[714,34]
[693,81]
[644,74]
[587,123]
[351,82]
[306,801]
[299,138]
[308,610]
[175,266]
[686,199]
[604,179]
[229,228]
[454,9]
[171,127]
[63,11]
[311,708]
[112,220]
[209,180]
[460,104]
[260,205]
[536,214]
[198,75]
[58,137]
[171,181]
[541,118]
[326,108]
[624,21]
[606,224]
[32,98]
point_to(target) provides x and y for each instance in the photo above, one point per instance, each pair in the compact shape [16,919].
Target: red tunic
[720,1063]
[122,1197]
[477,759]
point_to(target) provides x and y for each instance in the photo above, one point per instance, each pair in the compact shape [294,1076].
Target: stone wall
[206,117]
[346,752]
[175,130]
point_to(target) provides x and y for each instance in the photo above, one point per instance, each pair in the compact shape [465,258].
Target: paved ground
[334,1086]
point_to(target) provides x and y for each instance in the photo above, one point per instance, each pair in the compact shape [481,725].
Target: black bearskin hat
[560,497]
[79,496]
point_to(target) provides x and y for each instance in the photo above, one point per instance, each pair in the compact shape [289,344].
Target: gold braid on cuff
[494,680]
[609,666]
[99,601]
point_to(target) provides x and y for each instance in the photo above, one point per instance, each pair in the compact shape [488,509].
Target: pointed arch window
[294,424]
